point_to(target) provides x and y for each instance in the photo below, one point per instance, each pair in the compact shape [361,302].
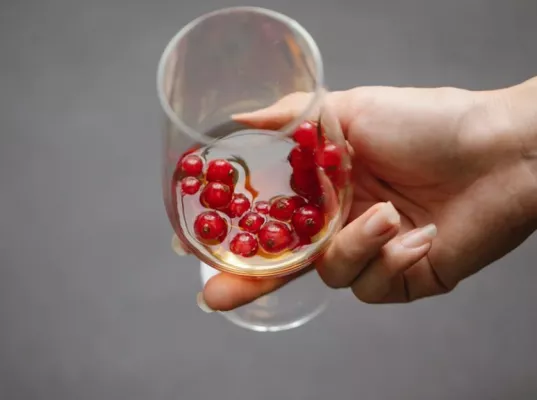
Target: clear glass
[217,171]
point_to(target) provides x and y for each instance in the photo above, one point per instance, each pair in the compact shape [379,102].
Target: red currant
[191,150]
[305,183]
[220,170]
[329,156]
[298,201]
[301,158]
[275,237]
[308,221]
[338,177]
[262,207]
[306,135]
[251,222]
[216,195]
[301,241]
[318,199]
[244,244]
[282,208]
[239,205]
[210,227]
[192,165]
[190,185]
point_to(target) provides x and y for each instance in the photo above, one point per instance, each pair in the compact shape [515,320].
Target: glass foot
[289,307]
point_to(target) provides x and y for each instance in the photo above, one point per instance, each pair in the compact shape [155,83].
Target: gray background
[93,303]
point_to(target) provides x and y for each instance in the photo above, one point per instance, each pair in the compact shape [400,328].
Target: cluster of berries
[275,226]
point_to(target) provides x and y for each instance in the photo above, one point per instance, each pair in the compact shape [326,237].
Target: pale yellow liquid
[263,172]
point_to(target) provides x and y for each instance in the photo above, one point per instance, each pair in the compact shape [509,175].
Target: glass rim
[305,35]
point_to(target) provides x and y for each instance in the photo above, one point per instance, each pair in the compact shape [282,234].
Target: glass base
[289,307]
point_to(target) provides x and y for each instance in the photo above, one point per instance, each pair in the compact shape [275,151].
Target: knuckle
[350,255]
[364,296]
[331,279]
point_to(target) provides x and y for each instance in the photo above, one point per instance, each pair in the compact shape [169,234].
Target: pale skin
[445,183]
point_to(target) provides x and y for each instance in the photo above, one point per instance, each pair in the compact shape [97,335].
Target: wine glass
[246,200]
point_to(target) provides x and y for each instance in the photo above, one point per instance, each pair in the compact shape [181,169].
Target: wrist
[513,118]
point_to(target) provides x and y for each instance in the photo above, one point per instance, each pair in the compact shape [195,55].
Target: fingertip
[357,243]
[225,292]
[277,114]
[419,237]
[250,117]
[266,118]
[375,284]
[405,251]
[202,304]
[378,225]
[220,292]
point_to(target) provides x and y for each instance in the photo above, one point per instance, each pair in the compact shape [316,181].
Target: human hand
[459,168]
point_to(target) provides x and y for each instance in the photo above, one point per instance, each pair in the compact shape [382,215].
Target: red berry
[318,199]
[301,241]
[275,237]
[306,135]
[220,170]
[190,185]
[262,207]
[305,183]
[216,195]
[301,158]
[329,157]
[192,165]
[308,221]
[338,177]
[282,208]
[251,222]
[191,150]
[244,244]
[298,201]
[239,205]
[210,227]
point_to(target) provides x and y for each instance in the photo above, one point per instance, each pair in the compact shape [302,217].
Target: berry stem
[247,181]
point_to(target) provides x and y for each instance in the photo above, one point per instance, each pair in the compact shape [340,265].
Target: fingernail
[177,246]
[244,115]
[420,237]
[202,305]
[384,219]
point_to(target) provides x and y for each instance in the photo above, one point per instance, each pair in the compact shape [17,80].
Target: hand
[454,165]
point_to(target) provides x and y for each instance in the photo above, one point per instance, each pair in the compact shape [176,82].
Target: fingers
[376,283]
[278,114]
[293,105]
[224,292]
[377,265]
[357,244]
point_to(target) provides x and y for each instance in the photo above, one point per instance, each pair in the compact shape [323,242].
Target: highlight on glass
[255,169]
